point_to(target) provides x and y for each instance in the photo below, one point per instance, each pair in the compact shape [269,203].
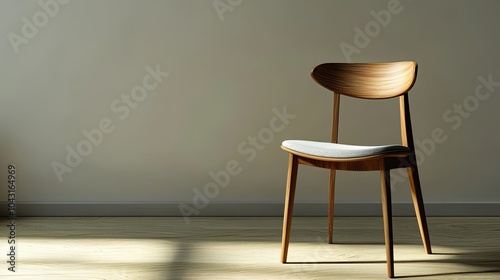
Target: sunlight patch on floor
[95,250]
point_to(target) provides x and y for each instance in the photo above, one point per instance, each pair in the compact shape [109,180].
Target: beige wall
[228,70]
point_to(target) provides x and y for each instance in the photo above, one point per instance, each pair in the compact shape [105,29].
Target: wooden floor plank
[248,248]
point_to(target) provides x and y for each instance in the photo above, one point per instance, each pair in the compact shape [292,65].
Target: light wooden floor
[247,248]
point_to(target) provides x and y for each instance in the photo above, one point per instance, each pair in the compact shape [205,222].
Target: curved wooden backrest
[367,80]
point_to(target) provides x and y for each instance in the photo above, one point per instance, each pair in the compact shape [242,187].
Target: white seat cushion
[333,150]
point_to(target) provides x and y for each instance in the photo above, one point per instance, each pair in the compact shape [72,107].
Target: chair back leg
[418,203]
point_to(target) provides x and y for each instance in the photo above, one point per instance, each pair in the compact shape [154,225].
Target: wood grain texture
[158,248]
[367,80]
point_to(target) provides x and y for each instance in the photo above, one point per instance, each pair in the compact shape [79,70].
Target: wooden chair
[368,81]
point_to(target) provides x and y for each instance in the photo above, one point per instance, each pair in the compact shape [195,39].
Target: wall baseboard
[171,209]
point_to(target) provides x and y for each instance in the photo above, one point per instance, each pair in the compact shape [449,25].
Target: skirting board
[173,209]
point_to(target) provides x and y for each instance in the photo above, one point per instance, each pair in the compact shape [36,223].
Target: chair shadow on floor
[476,261]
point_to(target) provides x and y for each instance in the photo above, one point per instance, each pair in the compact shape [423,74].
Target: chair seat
[334,150]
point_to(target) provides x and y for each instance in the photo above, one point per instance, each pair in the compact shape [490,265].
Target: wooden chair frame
[368,81]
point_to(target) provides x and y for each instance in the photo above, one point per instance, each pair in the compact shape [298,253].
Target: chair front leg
[385,181]
[289,200]
[331,201]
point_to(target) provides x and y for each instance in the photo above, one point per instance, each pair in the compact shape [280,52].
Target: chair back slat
[367,80]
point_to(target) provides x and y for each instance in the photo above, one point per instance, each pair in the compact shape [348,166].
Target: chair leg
[289,199]
[418,203]
[385,181]
[331,201]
